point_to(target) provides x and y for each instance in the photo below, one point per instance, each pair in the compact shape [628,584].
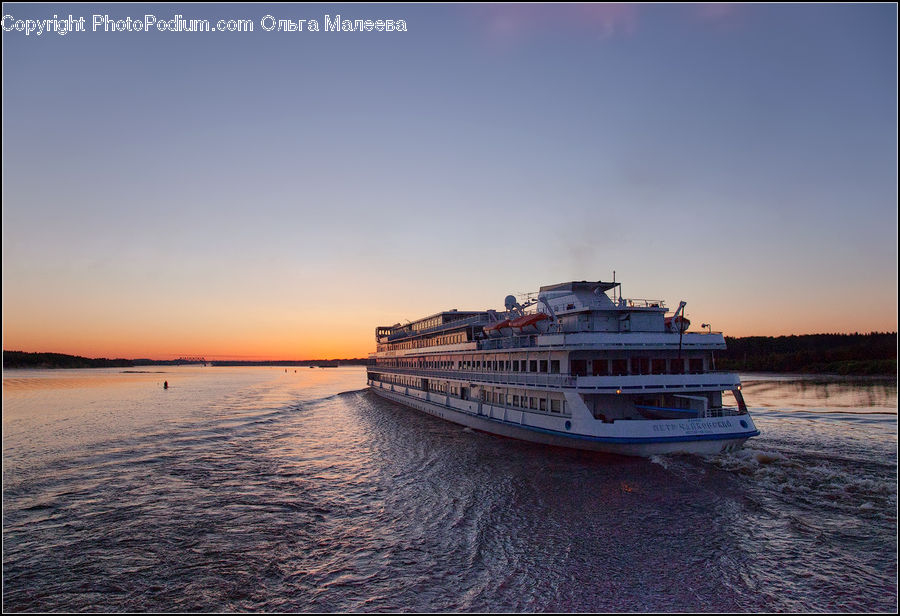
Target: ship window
[640,365]
[554,366]
[696,365]
[600,367]
[620,367]
[659,366]
[543,365]
[532,365]
[579,367]
[533,402]
[515,365]
[676,366]
[554,406]
[515,400]
[543,404]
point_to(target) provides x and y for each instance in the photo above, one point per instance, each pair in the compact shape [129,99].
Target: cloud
[715,12]
[512,25]
[508,24]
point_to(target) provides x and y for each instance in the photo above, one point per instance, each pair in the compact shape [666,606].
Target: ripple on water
[259,490]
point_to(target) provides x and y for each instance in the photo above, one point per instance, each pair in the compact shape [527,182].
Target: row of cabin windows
[399,379]
[636,365]
[579,367]
[516,400]
[507,365]
[419,343]
[516,365]
[534,403]
[420,325]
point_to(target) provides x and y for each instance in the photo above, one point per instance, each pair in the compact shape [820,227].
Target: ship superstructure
[569,366]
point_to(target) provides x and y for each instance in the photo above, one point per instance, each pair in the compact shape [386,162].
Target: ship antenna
[512,306]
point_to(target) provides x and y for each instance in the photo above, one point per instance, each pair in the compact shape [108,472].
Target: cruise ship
[574,365]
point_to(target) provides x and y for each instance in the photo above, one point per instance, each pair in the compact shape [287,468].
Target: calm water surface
[256,489]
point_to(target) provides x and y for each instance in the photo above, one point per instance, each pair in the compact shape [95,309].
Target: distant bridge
[192,360]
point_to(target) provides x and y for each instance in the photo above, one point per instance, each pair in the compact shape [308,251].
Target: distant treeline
[858,354]
[21,359]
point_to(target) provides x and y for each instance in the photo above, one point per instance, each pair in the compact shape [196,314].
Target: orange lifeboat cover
[528,319]
[498,326]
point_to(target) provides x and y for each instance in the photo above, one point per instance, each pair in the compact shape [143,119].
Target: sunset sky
[277,195]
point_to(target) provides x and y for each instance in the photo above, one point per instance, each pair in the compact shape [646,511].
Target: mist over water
[256,489]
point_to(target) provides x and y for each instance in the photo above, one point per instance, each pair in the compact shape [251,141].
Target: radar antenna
[513,306]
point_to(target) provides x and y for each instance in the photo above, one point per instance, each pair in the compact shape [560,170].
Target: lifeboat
[536,323]
[677,324]
[498,329]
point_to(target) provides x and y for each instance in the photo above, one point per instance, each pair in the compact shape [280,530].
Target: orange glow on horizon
[260,350]
[274,328]
[297,348]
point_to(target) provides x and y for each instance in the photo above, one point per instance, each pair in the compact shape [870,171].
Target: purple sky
[279,194]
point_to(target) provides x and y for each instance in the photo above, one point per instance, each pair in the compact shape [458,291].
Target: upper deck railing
[630,383]
[571,340]
[511,342]
[644,303]
[508,342]
[510,378]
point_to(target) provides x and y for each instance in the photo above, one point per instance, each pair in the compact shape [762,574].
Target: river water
[260,489]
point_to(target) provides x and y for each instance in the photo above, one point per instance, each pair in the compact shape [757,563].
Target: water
[256,489]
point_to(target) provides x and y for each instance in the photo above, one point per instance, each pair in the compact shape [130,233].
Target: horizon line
[260,358]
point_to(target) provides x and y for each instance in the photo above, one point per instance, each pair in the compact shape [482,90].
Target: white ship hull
[706,436]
